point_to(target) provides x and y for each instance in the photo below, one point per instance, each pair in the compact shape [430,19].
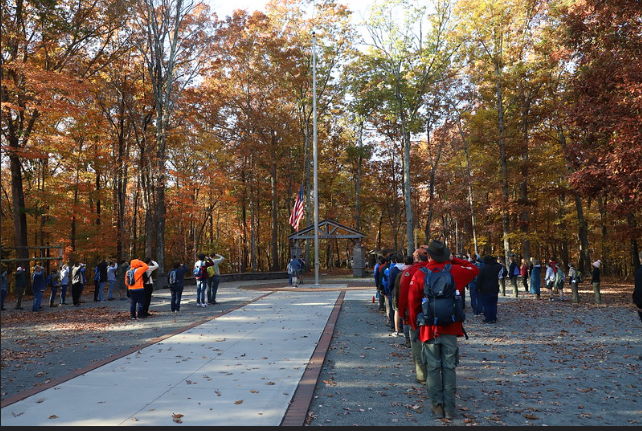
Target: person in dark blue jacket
[488,288]
[39,284]
[396,264]
[176,282]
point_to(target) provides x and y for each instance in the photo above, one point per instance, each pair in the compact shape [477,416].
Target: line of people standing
[434,348]
[207,273]
[110,280]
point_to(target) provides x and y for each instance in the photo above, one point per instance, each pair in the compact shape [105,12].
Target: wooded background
[157,128]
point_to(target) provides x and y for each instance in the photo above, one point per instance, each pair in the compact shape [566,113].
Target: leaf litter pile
[39,333]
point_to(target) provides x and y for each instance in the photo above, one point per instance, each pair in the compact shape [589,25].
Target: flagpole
[314,141]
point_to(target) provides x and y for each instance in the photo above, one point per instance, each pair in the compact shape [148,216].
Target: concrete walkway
[241,368]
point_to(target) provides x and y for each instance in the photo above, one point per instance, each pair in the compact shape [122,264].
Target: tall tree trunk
[274,265]
[98,200]
[434,162]
[584,262]
[19,214]
[407,196]
[473,219]
[395,205]
[524,217]
[357,186]
[160,212]
[503,161]
[253,222]
[121,181]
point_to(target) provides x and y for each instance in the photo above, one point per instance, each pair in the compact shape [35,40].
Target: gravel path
[543,364]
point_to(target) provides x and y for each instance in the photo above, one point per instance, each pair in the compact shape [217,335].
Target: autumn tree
[411,52]
[497,38]
[174,35]
[48,50]
[603,41]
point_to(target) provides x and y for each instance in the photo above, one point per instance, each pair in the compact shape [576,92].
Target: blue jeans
[52,297]
[101,290]
[63,293]
[212,288]
[177,293]
[37,300]
[490,306]
[137,302]
[475,301]
[201,286]
[441,356]
[110,291]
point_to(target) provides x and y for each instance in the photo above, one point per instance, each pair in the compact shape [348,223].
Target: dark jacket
[39,281]
[102,271]
[488,278]
[392,276]
[21,279]
[595,275]
[180,275]
[381,282]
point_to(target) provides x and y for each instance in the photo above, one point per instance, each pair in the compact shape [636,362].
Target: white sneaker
[198,304]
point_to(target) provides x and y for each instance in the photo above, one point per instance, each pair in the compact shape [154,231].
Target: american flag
[297,211]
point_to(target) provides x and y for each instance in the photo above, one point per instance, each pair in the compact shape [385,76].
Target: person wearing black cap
[440,350]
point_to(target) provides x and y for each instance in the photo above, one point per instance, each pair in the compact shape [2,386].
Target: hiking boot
[438,411]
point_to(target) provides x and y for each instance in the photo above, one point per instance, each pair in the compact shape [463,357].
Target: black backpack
[171,278]
[131,276]
[442,304]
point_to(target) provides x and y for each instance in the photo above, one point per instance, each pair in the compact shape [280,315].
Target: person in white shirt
[111,279]
[214,280]
[149,285]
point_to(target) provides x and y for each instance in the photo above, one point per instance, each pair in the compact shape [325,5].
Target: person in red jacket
[420,258]
[440,350]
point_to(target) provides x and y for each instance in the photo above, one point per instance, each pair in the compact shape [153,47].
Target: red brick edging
[296,414]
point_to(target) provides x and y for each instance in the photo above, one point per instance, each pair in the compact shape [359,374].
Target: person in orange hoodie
[136,288]
[440,351]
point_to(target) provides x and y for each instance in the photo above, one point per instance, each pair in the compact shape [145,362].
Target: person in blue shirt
[390,275]
[176,284]
[293,268]
[380,261]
